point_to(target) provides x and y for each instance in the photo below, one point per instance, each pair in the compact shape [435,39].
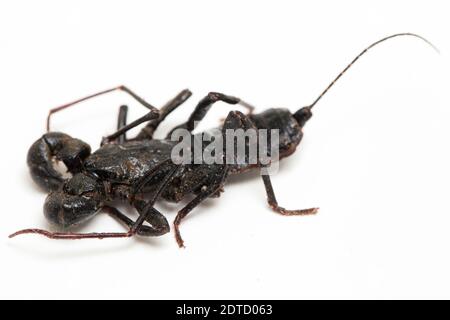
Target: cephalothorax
[131,169]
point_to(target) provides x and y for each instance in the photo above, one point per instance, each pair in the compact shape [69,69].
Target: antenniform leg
[121,88]
[159,226]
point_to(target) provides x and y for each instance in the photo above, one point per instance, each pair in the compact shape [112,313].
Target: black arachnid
[140,170]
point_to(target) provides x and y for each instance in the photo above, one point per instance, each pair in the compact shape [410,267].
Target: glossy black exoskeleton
[129,169]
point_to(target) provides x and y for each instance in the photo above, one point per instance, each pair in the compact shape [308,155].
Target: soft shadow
[108,246]
[69,252]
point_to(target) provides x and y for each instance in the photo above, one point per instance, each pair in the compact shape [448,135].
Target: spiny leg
[121,88]
[148,131]
[146,210]
[206,191]
[239,120]
[213,182]
[204,106]
[271,199]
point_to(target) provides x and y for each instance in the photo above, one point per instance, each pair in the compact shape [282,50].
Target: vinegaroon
[128,169]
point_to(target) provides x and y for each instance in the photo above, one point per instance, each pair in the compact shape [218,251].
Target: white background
[374,157]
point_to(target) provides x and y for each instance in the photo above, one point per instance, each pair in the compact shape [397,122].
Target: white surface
[374,158]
